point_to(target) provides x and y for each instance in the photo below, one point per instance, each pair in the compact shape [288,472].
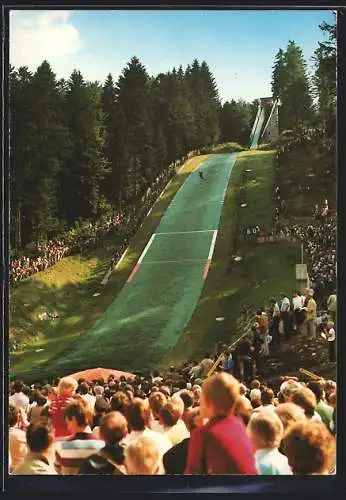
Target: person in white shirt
[331,338]
[89,398]
[19,399]
[298,314]
[138,415]
[285,315]
[267,398]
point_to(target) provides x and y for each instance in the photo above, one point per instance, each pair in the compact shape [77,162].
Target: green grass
[68,289]
[230,289]
[148,315]
[266,269]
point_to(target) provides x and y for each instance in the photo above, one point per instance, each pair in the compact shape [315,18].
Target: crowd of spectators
[319,240]
[87,235]
[172,424]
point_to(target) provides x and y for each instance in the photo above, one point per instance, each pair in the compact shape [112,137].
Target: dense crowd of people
[319,240]
[173,423]
[86,235]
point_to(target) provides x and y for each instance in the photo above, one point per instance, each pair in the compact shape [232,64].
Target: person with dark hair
[243,353]
[322,408]
[70,453]
[19,399]
[267,398]
[37,408]
[201,175]
[110,459]
[16,437]
[84,391]
[187,398]
[274,331]
[138,417]
[40,437]
[120,402]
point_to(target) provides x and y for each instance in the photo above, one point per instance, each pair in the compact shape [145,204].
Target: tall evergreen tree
[290,82]
[46,146]
[86,165]
[325,78]
[136,134]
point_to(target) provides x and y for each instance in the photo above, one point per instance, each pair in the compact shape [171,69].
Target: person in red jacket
[66,389]
[222,445]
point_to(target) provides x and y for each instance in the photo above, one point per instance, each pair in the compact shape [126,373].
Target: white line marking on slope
[212,245]
[172,261]
[188,232]
[146,248]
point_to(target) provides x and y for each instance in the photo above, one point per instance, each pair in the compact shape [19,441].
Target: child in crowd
[266,431]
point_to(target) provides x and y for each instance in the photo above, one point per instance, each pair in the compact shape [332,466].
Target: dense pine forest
[82,151]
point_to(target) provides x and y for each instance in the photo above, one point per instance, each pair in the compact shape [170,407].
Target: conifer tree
[86,165]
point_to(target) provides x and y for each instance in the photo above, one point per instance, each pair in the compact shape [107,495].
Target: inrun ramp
[162,291]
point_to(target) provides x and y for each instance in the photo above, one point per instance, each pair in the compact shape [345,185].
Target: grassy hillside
[233,287]
[67,288]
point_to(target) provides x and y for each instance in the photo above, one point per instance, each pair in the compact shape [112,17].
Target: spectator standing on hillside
[195,371]
[311,315]
[285,315]
[331,338]
[332,305]
[40,437]
[275,321]
[222,445]
[206,365]
[298,315]
[243,356]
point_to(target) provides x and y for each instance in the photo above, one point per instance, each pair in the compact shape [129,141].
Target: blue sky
[239,46]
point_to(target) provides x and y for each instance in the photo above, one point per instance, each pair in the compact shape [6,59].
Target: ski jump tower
[266,126]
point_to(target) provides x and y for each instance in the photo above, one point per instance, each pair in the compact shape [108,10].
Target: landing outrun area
[150,312]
